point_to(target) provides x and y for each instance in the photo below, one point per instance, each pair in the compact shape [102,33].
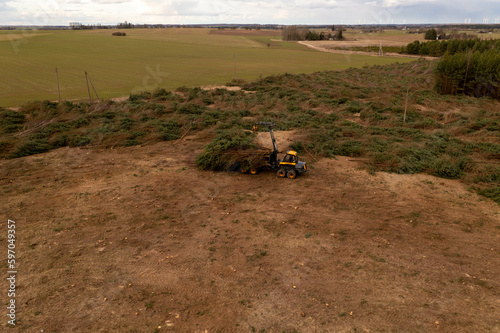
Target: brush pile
[233,150]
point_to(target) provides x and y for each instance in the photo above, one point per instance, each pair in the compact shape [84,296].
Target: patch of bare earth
[215,87]
[137,239]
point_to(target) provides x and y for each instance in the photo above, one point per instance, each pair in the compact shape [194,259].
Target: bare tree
[294,32]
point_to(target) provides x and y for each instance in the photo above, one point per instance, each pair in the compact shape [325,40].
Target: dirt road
[344,48]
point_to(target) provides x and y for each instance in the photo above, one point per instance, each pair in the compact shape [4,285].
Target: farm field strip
[147,59]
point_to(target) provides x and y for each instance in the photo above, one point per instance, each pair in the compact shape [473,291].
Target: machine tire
[281,173]
[291,174]
[254,171]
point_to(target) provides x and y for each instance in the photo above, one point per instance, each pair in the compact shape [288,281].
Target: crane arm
[270,126]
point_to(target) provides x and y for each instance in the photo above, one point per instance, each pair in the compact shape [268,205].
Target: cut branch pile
[233,150]
[236,159]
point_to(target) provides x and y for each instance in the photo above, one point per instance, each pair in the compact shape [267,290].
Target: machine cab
[290,158]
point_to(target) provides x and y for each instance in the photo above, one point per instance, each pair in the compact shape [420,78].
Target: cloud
[183,8]
[107,2]
[405,3]
[246,11]
[320,4]
[76,1]
[281,14]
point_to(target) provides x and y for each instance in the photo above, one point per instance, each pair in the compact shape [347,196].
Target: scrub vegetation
[389,117]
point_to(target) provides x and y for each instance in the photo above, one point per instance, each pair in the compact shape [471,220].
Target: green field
[147,59]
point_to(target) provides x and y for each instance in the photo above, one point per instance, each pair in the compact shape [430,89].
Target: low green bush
[31,148]
[445,168]
[492,192]
[354,107]
[61,140]
[350,148]
[298,146]
[126,124]
[192,108]
[163,95]
[169,130]
[11,121]
[414,160]
[79,140]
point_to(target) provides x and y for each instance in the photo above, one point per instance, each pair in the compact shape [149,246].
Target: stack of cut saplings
[233,150]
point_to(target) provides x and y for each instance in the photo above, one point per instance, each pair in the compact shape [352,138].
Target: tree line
[467,66]
[473,73]
[438,48]
[295,33]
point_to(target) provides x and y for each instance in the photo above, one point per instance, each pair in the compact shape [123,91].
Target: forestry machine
[289,166]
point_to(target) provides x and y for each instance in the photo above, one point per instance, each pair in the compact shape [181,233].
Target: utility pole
[95,92]
[234,66]
[406,104]
[58,89]
[88,88]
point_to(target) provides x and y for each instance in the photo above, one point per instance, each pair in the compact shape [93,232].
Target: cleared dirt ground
[138,240]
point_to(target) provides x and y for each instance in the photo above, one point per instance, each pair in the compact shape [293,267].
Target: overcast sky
[61,12]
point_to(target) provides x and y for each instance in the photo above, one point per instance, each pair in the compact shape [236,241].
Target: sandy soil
[139,240]
[215,87]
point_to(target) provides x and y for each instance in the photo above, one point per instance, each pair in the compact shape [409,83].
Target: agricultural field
[148,59]
[395,226]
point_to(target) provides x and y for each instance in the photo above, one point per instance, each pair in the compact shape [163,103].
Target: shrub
[354,107]
[350,148]
[131,142]
[492,192]
[330,118]
[40,107]
[169,130]
[126,124]
[298,146]
[445,168]
[11,121]
[51,129]
[162,95]
[191,108]
[32,147]
[236,83]
[488,174]
[139,97]
[414,160]
[60,141]
[79,140]
[80,122]
[385,160]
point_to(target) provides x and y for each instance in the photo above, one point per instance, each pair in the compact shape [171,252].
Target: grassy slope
[119,65]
